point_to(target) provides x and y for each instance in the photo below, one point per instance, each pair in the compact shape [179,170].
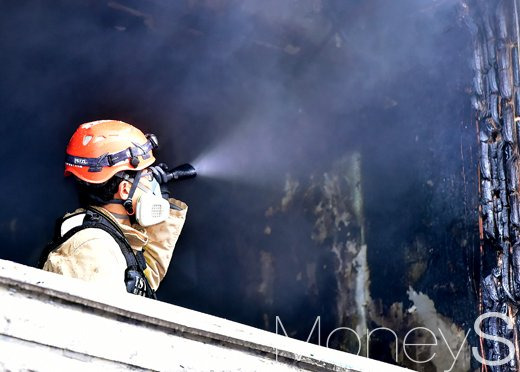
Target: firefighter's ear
[124,189]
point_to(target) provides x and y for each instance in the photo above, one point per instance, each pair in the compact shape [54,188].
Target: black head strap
[108,160]
[128,202]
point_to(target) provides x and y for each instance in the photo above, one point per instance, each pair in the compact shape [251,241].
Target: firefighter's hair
[92,194]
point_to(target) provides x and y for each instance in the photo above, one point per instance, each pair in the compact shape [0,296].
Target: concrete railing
[52,323]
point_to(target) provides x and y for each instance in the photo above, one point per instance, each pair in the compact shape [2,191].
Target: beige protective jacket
[92,254]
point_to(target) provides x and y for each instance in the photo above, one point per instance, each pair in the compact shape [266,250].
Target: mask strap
[115,201]
[119,216]
[128,202]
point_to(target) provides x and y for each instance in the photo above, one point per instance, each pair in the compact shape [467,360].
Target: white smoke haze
[295,115]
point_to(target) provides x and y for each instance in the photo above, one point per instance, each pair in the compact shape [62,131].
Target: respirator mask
[151,207]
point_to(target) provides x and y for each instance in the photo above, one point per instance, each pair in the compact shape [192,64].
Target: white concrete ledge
[52,323]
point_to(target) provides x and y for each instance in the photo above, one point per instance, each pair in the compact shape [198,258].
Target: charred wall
[495,30]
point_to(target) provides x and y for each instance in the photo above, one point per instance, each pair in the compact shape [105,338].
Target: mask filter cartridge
[151,210]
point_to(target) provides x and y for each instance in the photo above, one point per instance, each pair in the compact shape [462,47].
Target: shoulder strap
[95,219]
[136,263]
[135,278]
[58,239]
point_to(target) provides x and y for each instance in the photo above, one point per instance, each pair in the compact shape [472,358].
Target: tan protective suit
[93,255]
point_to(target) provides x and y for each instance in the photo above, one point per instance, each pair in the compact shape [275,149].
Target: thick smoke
[306,85]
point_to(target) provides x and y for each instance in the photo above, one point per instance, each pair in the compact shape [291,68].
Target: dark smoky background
[259,96]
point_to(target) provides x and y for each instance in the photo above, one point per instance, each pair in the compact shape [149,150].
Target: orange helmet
[99,149]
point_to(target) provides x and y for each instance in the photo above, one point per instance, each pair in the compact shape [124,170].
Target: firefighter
[124,234]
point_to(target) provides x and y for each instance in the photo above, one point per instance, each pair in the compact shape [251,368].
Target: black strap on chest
[135,279]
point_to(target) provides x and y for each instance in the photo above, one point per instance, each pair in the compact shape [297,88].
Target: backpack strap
[58,239]
[135,279]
